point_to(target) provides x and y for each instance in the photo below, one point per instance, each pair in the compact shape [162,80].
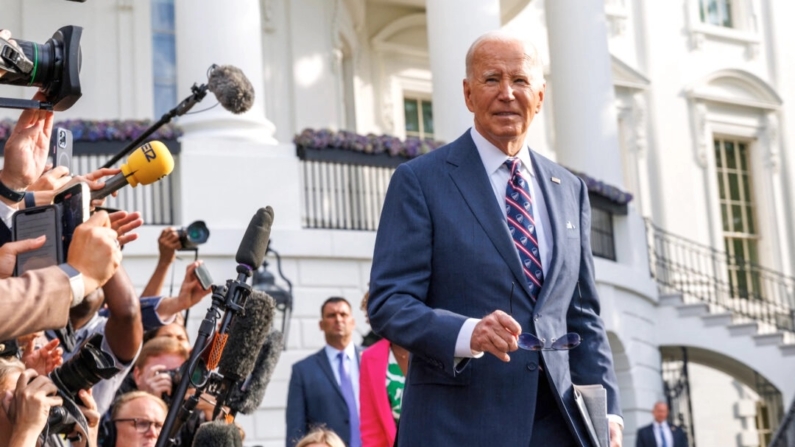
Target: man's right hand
[27,148]
[155,381]
[168,243]
[497,334]
[95,251]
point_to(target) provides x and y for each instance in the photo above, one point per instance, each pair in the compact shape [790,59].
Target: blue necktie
[350,399]
[519,212]
[662,436]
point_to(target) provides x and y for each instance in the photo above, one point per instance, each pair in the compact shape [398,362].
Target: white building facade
[685,105]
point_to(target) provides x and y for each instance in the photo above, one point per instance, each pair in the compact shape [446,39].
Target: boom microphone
[147,164]
[248,397]
[246,336]
[255,242]
[232,89]
[217,434]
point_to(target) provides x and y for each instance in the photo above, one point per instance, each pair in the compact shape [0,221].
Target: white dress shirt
[351,365]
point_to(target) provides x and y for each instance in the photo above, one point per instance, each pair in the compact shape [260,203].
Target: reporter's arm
[124,330]
[38,300]
[167,243]
[190,294]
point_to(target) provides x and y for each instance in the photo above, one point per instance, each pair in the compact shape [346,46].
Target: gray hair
[536,67]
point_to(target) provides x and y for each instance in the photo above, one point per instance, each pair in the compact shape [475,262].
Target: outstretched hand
[27,148]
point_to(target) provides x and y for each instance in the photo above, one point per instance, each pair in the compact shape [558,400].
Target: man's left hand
[616,435]
[27,148]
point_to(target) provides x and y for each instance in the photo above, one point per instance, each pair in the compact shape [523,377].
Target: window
[164,56]
[716,12]
[737,214]
[602,242]
[419,118]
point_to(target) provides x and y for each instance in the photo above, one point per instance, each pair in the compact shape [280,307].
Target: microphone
[217,434]
[255,241]
[231,87]
[147,164]
[248,397]
[246,336]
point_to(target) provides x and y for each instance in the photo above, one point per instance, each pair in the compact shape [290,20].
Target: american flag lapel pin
[569,225]
[555,180]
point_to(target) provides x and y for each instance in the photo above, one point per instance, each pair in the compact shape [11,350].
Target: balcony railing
[702,274]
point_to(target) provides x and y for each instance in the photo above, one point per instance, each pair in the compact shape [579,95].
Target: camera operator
[25,401]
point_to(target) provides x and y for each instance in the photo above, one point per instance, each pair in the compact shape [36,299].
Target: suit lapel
[553,200]
[473,183]
[322,359]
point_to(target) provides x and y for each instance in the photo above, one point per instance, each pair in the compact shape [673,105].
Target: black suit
[646,437]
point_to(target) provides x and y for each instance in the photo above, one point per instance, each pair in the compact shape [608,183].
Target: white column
[583,97]
[452,27]
[224,33]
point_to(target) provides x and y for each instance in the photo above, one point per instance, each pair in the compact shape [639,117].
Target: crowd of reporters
[72,335]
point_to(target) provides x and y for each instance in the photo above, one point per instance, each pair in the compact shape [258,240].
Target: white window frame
[744,30]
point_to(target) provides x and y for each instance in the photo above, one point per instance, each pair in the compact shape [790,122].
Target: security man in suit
[659,433]
[484,247]
[324,387]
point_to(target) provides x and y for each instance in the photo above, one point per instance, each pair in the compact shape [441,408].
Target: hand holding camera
[29,406]
[155,380]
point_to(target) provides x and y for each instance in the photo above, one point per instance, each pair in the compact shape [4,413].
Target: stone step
[746,328]
[718,319]
[674,299]
[774,338]
[692,310]
[788,349]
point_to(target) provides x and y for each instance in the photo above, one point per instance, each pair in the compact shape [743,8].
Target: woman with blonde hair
[320,437]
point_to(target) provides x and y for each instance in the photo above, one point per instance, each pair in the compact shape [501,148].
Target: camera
[197,378]
[193,235]
[53,66]
[81,372]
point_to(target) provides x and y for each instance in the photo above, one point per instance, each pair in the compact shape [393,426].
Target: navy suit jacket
[315,399]
[646,437]
[443,253]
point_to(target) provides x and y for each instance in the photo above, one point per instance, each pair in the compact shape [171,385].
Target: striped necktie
[519,211]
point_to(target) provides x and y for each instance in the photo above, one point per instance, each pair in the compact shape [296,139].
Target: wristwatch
[75,282]
[10,194]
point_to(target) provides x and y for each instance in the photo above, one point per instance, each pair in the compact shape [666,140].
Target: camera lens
[194,234]
[84,369]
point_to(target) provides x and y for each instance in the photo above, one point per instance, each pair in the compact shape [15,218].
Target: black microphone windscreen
[255,242]
[246,336]
[217,434]
[247,398]
[232,89]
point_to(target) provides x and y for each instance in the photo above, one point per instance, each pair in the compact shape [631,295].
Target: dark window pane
[747,188]
[750,217]
[721,186]
[727,18]
[725,216]
[743,156]
[734,187]
[718,154]
[427,117]
[731,162]
[412,115]
[737,219]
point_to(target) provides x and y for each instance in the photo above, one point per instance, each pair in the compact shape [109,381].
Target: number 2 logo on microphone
[149,152]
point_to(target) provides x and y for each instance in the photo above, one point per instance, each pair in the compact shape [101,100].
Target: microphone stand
[199,92]
[232,299]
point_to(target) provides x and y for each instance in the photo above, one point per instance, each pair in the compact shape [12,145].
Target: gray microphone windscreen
[217,434]
[246,336]
[247,398]
[232,89]
[255,241]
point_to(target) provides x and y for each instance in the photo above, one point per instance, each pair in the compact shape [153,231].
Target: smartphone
[203,275]
[31,223]
[74,203]
[61,144]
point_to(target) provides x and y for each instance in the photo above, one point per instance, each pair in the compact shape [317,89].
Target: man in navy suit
[480,241]
[659,433]
[324,387]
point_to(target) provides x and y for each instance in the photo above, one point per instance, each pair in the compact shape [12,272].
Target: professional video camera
[81,372]
[53,66]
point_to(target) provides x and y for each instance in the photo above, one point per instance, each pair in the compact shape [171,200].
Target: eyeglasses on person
[530,342]
[142,425]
